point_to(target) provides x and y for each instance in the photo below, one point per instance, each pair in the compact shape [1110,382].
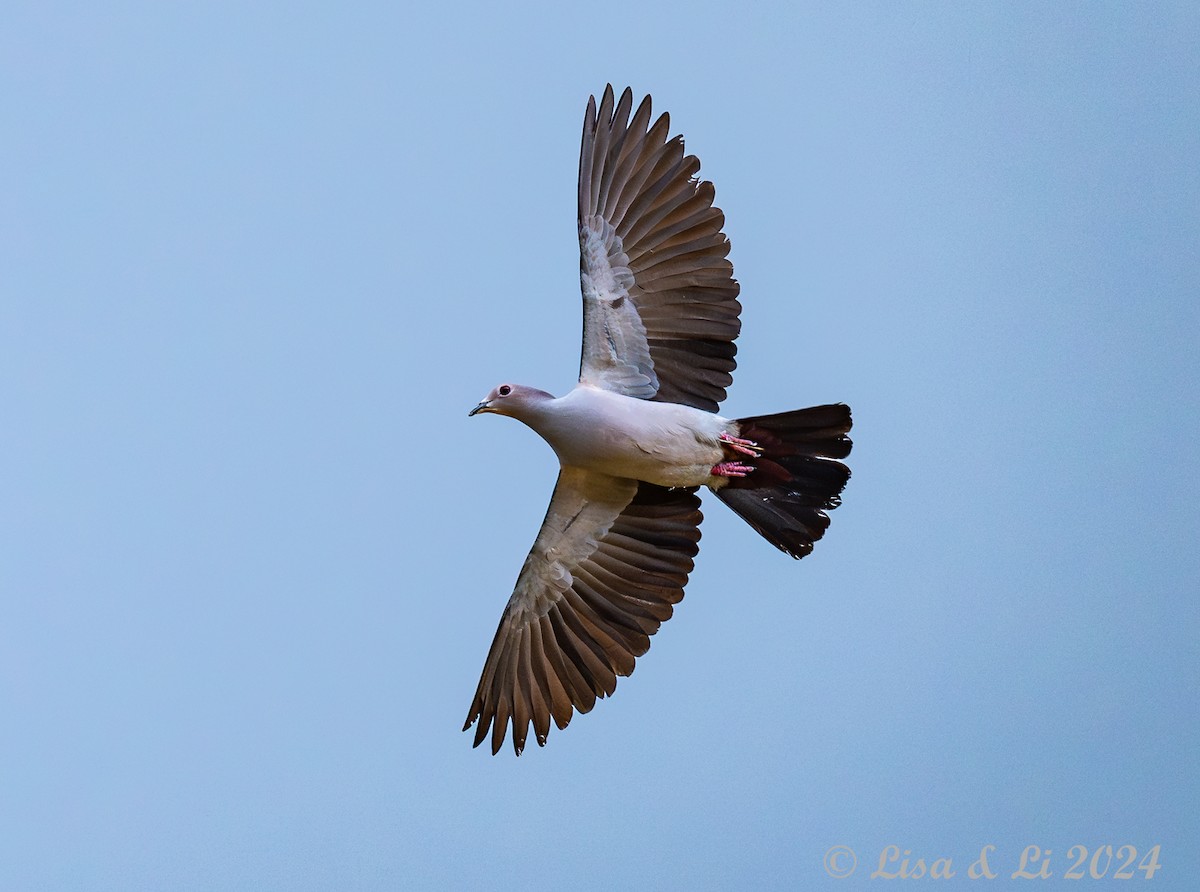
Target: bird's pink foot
[731,469]
[737,444]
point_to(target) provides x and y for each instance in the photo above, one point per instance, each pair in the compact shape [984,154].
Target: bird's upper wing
[611,559]
[660,309]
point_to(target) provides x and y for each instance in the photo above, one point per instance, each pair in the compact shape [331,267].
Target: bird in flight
[640,434]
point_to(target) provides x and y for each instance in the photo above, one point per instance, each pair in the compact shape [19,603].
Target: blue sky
[257,264]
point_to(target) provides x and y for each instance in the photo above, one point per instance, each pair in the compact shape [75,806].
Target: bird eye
[504,390]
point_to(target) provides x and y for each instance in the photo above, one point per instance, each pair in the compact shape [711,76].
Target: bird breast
[662,443]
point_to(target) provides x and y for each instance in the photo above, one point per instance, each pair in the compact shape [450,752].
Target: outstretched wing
[611,559]
[660,309]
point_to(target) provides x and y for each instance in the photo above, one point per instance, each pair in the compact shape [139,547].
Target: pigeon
[640,434]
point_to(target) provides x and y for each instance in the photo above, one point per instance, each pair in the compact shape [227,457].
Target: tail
[796,478]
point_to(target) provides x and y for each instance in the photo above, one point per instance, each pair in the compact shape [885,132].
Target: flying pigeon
[640,434]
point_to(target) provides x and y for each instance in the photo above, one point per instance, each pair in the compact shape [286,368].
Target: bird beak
[482,407]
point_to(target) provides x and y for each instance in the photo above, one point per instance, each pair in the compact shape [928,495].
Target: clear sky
[257,261]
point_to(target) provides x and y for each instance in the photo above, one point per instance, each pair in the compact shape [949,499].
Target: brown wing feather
[558,649]
[668,235]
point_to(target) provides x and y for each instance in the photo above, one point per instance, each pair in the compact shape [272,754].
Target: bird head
[510,399]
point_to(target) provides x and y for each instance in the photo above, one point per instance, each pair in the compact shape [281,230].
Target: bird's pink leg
[737,444]
[731,469]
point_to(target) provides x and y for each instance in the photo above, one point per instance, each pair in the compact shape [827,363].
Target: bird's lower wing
[612,557]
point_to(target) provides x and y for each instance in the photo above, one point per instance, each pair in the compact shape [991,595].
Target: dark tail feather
[796,479]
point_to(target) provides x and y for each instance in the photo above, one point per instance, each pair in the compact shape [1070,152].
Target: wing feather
[551,673]
[586,689]
[582,697]
[628,161]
